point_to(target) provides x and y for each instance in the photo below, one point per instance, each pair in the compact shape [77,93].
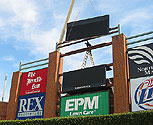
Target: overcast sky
[29,29]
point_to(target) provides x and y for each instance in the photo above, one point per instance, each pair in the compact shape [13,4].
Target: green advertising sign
[87,104]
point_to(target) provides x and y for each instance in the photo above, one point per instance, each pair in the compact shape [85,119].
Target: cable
[93,6]
[76,18]
[88,53]
[85,60]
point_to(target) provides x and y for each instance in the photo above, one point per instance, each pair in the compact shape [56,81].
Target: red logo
[33,82]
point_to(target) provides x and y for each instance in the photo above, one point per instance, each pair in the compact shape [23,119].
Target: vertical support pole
[56,47]
[4,87]
[20,65]
[119,29]
[14,96]
[121,92]
[55,67]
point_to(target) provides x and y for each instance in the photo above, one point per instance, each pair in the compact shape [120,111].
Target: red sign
[33,82]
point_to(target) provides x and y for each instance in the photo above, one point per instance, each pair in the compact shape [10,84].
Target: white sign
[142,93]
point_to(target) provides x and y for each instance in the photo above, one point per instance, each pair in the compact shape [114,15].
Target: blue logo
[144,94]
[31,106]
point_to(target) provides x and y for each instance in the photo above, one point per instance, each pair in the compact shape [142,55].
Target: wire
[83,5]
[93,6]
[88,53]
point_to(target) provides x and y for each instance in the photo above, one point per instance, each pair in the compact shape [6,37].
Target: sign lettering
[141,61]
[33,82]
[142,93]
[31,106]
[70,106]
[87,104]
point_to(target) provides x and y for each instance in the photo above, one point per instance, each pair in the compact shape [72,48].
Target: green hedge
[135,118]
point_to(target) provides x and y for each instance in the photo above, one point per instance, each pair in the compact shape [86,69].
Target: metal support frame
[80,41]
[20,65]
[68,43]
[140,35]
[143,34]
[86,49]
[119,28]
[29,63]
[142,40]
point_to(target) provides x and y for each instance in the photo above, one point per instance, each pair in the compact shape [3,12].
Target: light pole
[4,87]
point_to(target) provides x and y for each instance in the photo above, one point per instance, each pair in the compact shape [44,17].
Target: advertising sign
[31,106]
[87,104]
[91,27]
[33,82]
[141,61]
[142,93]
[141,76]
[84,79]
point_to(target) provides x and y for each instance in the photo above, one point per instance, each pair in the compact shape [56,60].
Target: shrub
[135,118]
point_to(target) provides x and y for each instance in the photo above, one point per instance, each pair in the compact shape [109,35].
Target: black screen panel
[84,79]
[97,26]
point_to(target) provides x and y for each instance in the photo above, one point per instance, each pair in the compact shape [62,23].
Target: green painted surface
[86,104]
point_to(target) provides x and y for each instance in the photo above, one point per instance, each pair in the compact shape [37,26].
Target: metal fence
[23,66]
[140,35]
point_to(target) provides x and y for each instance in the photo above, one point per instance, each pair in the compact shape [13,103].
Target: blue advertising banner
[31,106]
